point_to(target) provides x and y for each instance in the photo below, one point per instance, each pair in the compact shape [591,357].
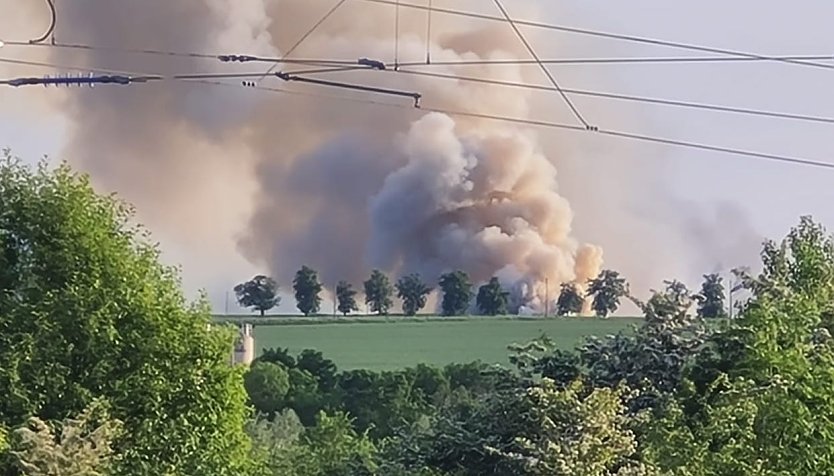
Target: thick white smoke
[484,201]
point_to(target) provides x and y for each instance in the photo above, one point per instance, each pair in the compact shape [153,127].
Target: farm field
[385,345]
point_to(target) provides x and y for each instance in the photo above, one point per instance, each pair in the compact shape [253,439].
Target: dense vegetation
[106,370]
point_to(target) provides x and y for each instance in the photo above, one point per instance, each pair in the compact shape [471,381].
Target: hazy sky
[624,194]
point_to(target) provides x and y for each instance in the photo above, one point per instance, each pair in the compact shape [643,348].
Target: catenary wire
[543,68]
[602,34]
[538,123]
[303,37]
[624,97]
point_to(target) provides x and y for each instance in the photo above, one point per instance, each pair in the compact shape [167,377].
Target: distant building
[244,350]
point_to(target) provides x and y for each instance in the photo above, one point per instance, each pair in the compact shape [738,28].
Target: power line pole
[546,297]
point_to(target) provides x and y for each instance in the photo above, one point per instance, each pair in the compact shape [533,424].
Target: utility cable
[428,33]
[52,21]
[544,68]
[624,97]
[613,133]
[613,36]
[305,36]
[625,60]
[397,36]
[531,122]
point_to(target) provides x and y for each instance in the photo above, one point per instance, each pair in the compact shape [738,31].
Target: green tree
[570,300]
[260,293]
[378,292]
[492,299]
[88,311]
[307,289]
[711,298]
[457,292]
[346,297]
[572,432]
[80,446]
[267,385]
[413,292]
[606,290]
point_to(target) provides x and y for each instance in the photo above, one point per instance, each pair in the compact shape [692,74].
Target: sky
[647,205]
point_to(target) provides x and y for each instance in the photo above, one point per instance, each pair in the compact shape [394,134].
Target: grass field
[380,345]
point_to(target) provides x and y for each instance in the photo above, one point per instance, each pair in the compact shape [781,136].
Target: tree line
[605,292]
[106,369]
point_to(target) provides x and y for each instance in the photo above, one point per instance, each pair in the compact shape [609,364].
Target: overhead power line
[544,69]
[306,34]
[52,21]
[531,122]
[535,87]
[509,62]
[624,97]
[570,127]
[626,60]
[602,34]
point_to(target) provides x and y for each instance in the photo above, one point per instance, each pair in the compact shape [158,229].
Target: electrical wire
[627,60]
[613,36]
[397,36]
[52,21]
[501,118]
[563,61]
[624,97]
[309,32]
[544,68]
[428,33]
[612,133]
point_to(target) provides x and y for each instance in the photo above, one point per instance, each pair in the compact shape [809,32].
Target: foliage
[277,356]
[492,299]
[260,293]
[346,297]
[267,385]
[307,289]
[333,447]
[606,289]
[413,292]
[711,298]
[457,292]
[87,311]
[330,447]
[570,300]
[378,292]
[81,446]
[324,370]
[571,433]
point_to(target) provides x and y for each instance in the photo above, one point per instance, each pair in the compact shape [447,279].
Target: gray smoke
[341,186]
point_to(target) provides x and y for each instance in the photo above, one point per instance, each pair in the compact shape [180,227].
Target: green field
[380,345]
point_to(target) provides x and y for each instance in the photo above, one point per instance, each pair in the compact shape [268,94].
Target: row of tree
[105,369]
[605,291]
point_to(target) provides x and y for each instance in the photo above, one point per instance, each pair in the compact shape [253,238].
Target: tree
[711,298]
[80,446]
[570,300]
[346,297]
[267,385]
[88,311]
[606,289]
[457,292]
[378,292]
[573,432]
[260,293]
[413,291]
[307,288]
[492,299]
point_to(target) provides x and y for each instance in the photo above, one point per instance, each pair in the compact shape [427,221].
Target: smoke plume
[292,179]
